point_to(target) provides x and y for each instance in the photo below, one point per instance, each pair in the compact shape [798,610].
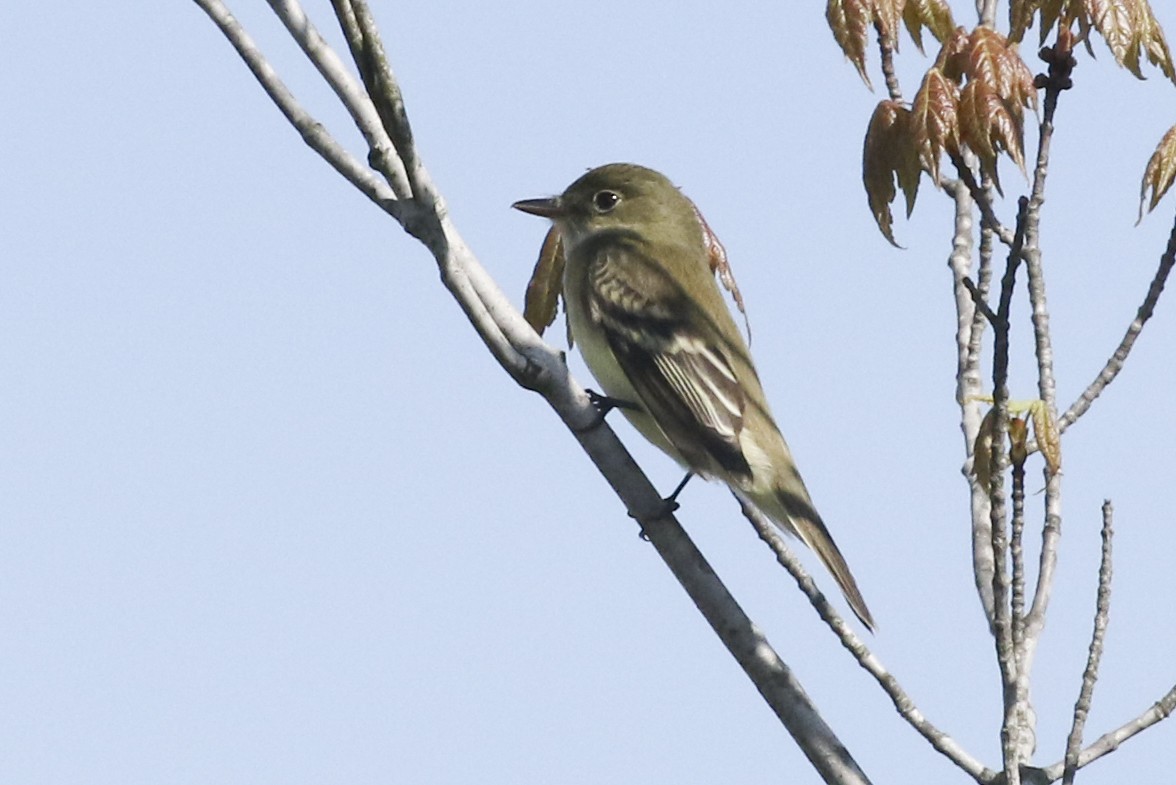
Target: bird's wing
[672,355]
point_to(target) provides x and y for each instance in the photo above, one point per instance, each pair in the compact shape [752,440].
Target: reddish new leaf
[1021,17]
[935,120]
[1160,172]
[886,15]
[1156,45]
[935,15]
[1117,22]
[988,127]
[889,156]
[850,22]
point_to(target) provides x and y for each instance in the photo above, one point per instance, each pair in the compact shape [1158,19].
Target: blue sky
[269,513]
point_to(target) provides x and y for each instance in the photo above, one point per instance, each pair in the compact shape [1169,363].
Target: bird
[653,328]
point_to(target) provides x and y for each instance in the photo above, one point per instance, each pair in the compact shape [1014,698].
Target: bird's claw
[605,403]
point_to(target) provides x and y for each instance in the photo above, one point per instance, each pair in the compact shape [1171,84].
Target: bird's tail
[794,513]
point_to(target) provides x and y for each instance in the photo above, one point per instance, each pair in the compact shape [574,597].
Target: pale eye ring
[605,201]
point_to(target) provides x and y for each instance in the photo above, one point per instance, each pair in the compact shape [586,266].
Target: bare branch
[1006,655]
[983,200]
[1119,358]
[939,740]
[1061,63]
[1109,742]
[986,12]
[969,331]
[1017,555]
[384,89]
[313,132]
[421,211]
[886,47]
[1090,674]
[351,94]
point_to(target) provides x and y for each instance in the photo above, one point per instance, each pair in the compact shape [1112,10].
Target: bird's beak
[545,208]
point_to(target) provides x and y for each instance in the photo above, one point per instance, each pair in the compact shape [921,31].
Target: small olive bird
[653,327]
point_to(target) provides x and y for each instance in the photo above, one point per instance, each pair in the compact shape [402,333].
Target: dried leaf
[982,450]
[888,156]
[934,119]
[546,284]
[850,22]
[721,266]
[935,15]
[1018,438]
[1049,441]
[1160,172]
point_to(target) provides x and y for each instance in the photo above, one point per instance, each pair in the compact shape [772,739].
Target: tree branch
[983,200]
[1119,358]
[1090,674]
[1011,727]
[414,202]
[1061,63]
[1109,742]
[886,47]
[313,132]
[903,703]
[970,323]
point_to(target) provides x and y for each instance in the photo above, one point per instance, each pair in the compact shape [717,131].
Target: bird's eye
[605,201]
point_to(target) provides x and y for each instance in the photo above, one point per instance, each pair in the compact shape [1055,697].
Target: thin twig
[312,131]
[886,47]
[1090,674]
[523,354]
[903,703]
[983,200]
[1110,741]
[384,88]
[970,322]
[1017,556]
[1002,627]
[1119,358]
[1061,63]
[350,92]
[978,298]
[986,12]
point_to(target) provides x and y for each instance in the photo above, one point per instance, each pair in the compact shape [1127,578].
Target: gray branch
[1094,657]
[407,193]
[903,703]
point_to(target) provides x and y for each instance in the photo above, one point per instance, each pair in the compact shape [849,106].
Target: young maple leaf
[890,155]
[1160,172]
[935,120]
[1131,29]
[935,15]
[850,22]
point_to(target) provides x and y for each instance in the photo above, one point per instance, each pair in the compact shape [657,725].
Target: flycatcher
[655,331]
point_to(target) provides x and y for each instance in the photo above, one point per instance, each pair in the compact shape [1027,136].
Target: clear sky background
[269,512]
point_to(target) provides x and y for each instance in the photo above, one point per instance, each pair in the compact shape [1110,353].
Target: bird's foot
[603,405]
[668,507]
